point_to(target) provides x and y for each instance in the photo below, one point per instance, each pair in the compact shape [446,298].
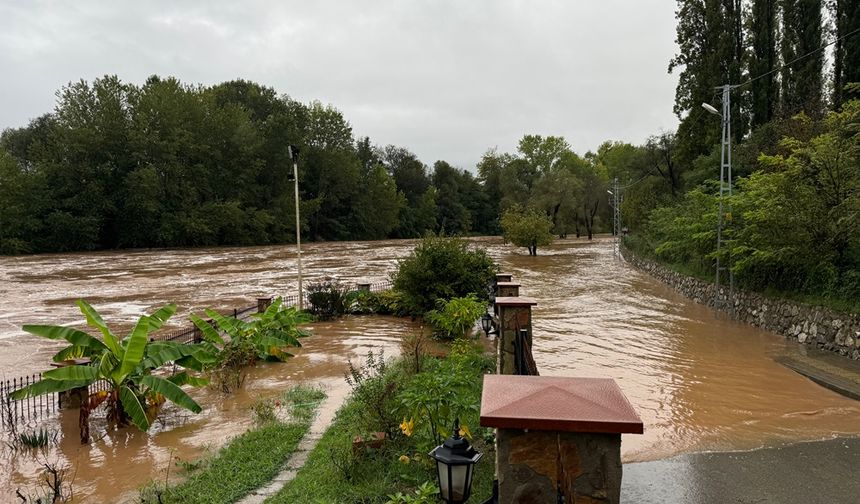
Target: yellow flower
[408,426]
[404,459]
[465,432]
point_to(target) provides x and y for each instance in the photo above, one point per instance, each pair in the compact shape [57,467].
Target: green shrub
[375,385]
[327,300]
[453,318]
[362,302]
[445,390]
[442,268]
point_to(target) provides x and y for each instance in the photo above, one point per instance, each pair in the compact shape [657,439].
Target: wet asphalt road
[818,472]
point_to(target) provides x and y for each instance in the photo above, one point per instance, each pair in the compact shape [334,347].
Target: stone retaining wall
[813,325]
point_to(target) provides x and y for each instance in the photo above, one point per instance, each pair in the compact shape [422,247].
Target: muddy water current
[699,382]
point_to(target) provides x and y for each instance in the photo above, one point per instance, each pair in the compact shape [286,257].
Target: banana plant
[271,333]
[135,394]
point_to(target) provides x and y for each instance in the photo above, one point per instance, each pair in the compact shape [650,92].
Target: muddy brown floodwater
[699,382]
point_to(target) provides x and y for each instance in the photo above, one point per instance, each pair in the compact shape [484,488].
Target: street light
[455,464]
[294,156]
[711,109]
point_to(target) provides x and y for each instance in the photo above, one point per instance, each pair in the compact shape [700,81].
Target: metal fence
[28,412]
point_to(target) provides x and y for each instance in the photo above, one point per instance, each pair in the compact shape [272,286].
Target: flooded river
[700,383]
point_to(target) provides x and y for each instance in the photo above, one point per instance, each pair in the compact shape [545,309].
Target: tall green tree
[801,80]
[765,90]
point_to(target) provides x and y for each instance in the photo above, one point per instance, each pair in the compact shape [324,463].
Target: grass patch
[333,473]
[248,462]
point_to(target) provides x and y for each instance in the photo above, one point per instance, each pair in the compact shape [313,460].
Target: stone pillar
[263,304]
[515,314]
[557,438]
[504,277]
[507,289]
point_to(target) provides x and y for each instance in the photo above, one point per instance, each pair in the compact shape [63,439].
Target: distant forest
[165,164]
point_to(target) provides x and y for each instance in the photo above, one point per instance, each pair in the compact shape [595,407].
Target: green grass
[331,475]
[248,462]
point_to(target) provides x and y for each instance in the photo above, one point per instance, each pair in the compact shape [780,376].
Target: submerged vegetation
[135,395]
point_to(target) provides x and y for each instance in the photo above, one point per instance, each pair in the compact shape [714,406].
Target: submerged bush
[442,268]
[327,300]
[453,318]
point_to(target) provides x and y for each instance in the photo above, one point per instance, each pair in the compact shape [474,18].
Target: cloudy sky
[446,79]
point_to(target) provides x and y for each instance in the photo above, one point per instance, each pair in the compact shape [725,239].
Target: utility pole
[616,218]
[294,156]
[724,217]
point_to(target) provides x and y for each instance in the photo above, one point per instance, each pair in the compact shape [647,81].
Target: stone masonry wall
[812,325]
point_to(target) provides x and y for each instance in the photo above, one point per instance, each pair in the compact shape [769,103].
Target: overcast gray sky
[445,79]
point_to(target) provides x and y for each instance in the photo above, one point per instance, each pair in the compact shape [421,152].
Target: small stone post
[363,286]
[557,439]
[507,289]
[263,304]
[504,277]
[515,314]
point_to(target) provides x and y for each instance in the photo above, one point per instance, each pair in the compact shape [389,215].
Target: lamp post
[294,156]
[455,464]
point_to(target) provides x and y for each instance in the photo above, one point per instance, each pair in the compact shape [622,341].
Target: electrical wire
[795,60]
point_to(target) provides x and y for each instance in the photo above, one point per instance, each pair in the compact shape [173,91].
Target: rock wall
[813,325]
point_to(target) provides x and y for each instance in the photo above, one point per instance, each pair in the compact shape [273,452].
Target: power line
[795,60]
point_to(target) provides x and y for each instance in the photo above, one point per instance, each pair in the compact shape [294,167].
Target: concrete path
[323,419]
[840,374]
[822,472]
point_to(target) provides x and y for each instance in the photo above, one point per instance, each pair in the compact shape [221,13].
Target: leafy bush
[270,333]
[427,493]
[444,391]
[362,302]
[327,300]
[453,318]
[442,268]
[375,385]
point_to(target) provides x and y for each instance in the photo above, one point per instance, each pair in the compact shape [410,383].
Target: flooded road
[699,383]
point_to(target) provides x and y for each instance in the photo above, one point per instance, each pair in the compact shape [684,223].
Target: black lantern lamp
[487,325]
[455,465]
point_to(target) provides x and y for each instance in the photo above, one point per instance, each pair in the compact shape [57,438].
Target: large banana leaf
[133,408]
[134,349]
[157,319]
[94,319]
[75,373]
[47,387]
[209,332]
[184,378]
[158,355]
[171,391]
[71,352]
[73,336]
[231,326]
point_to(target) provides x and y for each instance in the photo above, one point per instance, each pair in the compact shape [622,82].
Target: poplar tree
[763,31]
[802,36]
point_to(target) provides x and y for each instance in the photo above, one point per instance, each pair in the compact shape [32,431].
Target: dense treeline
[793,223]
[164,164]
